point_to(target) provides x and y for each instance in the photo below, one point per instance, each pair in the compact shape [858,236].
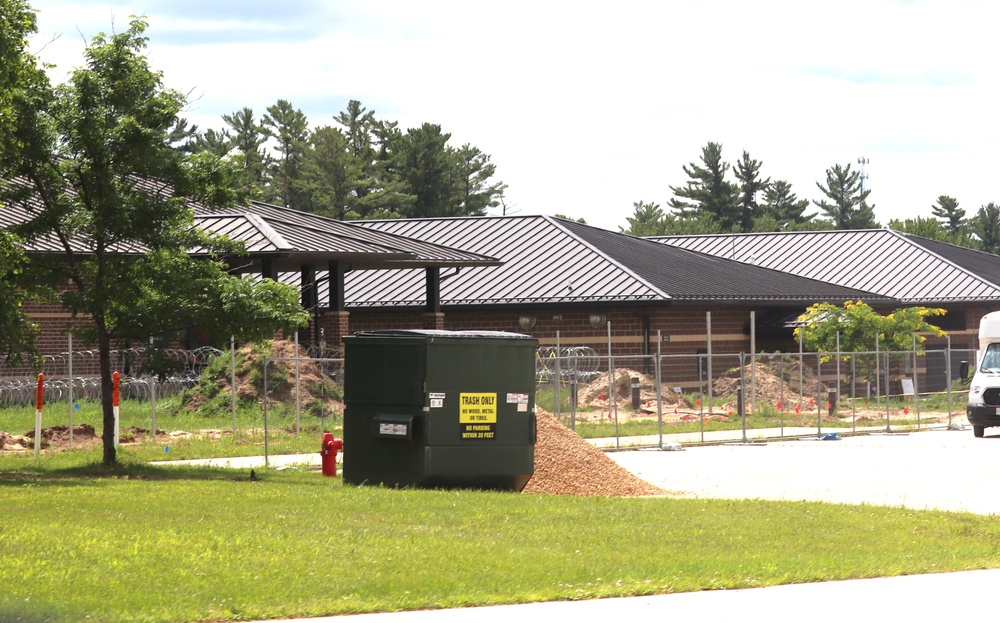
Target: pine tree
[952,216]
[781,204]
[747,171]
[647,220]
[986,227]
[849,208]
[289,128]
[707,192]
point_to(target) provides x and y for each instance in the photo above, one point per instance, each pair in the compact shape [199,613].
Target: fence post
[878,376]
[573,389]
[947,372]
[854,392]
[297,394]
[612,387]
[753,361]
[888,364]
[916,390]
[741,403]
[838,366]
[819,395]
[70,373]
[266,460]
[781,393]
[708,350]
[232,378]
[701,399]
[802,386]
[152,398]
[659,388]
[557,382]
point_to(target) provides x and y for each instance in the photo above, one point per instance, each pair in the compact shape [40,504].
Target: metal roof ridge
[556,222]
[268,232]
[962,269]
[358,225]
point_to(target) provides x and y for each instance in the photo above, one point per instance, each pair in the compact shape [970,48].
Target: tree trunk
[107,399]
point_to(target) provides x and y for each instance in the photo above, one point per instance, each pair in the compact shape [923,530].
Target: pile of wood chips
[565,464]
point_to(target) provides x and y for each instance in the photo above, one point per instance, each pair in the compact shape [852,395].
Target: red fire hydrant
[331,445]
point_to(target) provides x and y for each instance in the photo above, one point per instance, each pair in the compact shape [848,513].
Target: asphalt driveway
[939,469]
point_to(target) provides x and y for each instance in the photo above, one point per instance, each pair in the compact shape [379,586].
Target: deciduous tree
[103,185]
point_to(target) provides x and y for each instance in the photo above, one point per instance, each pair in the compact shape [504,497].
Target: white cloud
[587,107]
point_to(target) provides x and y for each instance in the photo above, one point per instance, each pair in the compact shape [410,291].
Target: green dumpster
[439,409]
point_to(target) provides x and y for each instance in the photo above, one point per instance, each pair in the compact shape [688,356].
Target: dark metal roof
[360,246]
[287,237]
[695,276]
[549,260]
[882,261]
[542,263]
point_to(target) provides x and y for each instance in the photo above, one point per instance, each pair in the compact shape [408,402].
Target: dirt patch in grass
[56,437]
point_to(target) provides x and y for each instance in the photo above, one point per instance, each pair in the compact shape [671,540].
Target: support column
[433,321]
[310,302]
[433,318]
[335,275]
[336,324]
[268,270]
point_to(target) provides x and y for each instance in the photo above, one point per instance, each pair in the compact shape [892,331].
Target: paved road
[943,469]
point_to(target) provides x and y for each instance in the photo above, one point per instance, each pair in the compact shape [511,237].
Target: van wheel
[978,431]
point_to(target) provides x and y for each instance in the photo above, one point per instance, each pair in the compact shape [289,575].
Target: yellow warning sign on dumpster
[477,413]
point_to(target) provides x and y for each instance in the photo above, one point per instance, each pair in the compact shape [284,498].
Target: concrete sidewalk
[915,598]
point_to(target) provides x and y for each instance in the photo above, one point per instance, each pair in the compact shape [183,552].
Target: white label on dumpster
[437,399]
[392,429]
[517,399]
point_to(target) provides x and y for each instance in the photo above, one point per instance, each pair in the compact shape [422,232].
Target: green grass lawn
[145,543]
[140,542]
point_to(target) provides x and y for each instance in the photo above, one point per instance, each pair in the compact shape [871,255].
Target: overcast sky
[587,107]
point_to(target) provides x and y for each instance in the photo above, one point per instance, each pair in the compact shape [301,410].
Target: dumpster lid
[504,335]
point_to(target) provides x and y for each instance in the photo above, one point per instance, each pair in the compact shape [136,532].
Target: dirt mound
[565,464]
[317,392]
[769,385]
[595,393]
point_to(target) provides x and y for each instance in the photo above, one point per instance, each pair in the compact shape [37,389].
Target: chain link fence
[76,374]
[701,398]
[630,400]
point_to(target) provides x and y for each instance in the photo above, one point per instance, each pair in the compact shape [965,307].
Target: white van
[983,409]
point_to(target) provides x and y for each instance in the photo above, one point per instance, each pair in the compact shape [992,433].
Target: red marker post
[39,398]
[114,403]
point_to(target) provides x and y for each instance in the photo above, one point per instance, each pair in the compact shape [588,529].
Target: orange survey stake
[40,393]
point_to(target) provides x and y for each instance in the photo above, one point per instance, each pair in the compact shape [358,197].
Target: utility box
[439,409]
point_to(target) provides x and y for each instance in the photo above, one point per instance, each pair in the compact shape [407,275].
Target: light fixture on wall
[598,319]
[526,321]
